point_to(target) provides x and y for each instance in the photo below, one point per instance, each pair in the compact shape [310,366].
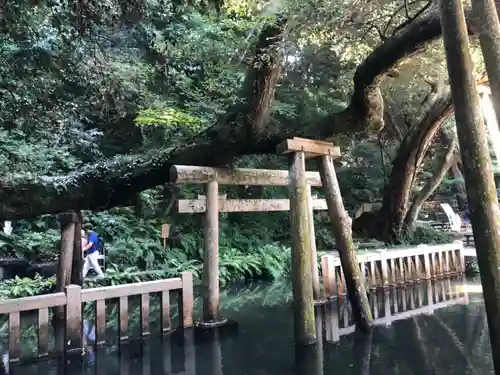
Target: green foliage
[169,117]
[423,235]
[269,262]
[17,287]
[363,176]
[114,79]
[471,267]
[40,246]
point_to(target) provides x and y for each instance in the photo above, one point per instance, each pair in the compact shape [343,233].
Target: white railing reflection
[391,305]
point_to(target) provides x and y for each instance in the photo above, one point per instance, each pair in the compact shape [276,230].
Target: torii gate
[305,276]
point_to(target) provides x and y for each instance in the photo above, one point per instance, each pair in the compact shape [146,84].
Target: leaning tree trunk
[430,186]
[479,180]
[489,37]
[388,224]
[459,185]
[456,174]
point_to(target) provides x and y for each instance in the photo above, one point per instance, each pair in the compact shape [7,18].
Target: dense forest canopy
[99,99]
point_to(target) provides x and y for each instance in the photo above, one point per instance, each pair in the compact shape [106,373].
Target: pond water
[437,328]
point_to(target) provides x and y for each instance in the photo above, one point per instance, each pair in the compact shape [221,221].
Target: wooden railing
[73,298]
[386,267]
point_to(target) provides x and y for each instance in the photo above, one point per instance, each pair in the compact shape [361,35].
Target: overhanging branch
[240,132]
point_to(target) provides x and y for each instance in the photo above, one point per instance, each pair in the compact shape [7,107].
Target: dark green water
[424,329]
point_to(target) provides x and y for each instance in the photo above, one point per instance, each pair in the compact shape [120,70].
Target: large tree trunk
[388,224]
[430,186]
[489,38]
[481,190]
[459,185]
[115,182]
[456,174]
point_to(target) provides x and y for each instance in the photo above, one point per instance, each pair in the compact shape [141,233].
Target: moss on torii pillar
[302,278]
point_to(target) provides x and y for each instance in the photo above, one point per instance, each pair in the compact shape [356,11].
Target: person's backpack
[100,245]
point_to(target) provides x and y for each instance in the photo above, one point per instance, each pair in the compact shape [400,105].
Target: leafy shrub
[270,262]
[471,266]
[40,246]
[422,235]
[25,287]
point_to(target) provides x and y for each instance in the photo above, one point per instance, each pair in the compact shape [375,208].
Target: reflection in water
[307,360]
[426,329]
[363,348]
[89,340]
[389,306]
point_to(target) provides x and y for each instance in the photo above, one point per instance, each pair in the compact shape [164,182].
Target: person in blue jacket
[91,253]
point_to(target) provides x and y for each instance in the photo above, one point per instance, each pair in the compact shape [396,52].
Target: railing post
[427,265]
[460,257]
[329,279]
[383,268]
[67,221]
[73,318]
[332,321]
[186,301]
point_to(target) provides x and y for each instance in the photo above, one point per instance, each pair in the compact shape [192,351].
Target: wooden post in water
[67,221]
[478,170]
[329,277]
[210,282]
[343,236]
[302,281]
[213,177]
[77,261]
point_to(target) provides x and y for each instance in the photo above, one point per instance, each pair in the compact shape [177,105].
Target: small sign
[165,230]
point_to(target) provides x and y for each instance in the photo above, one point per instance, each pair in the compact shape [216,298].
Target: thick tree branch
[455,173]
[407,163]
[391,126]
[240,132]
[431,184]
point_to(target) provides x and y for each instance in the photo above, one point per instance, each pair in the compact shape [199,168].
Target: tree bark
[479,180]
[341,226]
[459,186]
[388,223]
[362,353]
[457,175]
[67,221]
[430,186]
[115,182]
[302,281]
[489,37]
[77,261]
